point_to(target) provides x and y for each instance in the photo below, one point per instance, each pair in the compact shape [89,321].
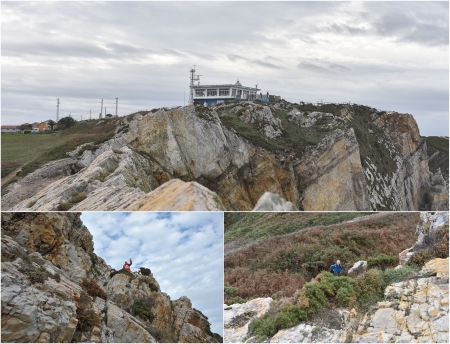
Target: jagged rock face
[407,188]
[416,313]
[425,230]
[304,333]
[59,248]
[238,316]
[192,144]
[330,175]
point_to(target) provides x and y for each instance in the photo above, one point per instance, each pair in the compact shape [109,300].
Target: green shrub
[237,299]
[290,316]
[370,286]
[263,327]
[394,276]
[382,261]
[140,308]
[145,271]
[316,297]
[420,257]
[231,291]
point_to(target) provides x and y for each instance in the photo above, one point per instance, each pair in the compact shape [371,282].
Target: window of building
[200,92]
[212,92]
[233,92]
[245,94]
[224,92]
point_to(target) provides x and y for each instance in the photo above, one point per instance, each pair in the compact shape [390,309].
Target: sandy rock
[177,195]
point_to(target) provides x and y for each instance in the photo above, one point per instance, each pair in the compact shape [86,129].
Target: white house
[213,94]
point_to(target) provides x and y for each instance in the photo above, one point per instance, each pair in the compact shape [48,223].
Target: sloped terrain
[371,303]
[333,157]
[55,289]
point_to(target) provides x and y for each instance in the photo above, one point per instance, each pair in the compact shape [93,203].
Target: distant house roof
[10,126]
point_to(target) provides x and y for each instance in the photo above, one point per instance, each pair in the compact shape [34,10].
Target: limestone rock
[180,196]
[194,145]
[59,248]
[420,314]
[238,316]
[358,268]
[304,333]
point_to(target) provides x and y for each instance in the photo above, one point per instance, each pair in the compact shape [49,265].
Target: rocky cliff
[55,289]
[335,157]
[411,308]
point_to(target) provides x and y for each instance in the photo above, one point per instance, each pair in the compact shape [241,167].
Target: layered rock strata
[200,145]
[46,258]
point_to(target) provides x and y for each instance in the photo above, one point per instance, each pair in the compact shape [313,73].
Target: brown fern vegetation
[93,289]
[279,265]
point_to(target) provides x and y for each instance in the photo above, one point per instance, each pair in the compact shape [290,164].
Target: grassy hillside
[278,265]
[32,151]
[250,226]
[438,145]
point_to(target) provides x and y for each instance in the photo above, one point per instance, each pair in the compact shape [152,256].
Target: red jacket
[126,266]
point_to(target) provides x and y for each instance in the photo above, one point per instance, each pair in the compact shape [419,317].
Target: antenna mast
[193,78]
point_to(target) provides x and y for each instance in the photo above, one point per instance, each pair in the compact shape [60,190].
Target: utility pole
[101,109]
[117,102]
[193,78]
[57,110]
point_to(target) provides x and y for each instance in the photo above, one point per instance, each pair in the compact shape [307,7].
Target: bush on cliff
[93,289]
[141,309]
[86,316]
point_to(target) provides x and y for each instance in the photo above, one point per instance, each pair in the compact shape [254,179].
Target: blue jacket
[336,268]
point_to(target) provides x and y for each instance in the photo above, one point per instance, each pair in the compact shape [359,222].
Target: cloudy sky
[389,55]
[184,251]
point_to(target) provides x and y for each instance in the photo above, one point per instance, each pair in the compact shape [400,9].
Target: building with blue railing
[214,94]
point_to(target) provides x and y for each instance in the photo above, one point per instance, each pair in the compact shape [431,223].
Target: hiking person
[336,268]
[126,266]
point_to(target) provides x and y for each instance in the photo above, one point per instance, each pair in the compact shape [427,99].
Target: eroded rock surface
[195,144]
[46,257]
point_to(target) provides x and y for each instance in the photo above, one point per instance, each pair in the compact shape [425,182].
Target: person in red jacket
[126,266]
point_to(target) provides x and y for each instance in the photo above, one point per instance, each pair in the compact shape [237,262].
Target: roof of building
[10,126]
[227,86]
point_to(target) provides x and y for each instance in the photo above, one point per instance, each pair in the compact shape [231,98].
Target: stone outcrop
[414,311]
[272,202]
[417,310]
[201,144]
[428,224]
[47,258]
[238,316]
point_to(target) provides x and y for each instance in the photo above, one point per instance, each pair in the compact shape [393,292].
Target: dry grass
[281,264]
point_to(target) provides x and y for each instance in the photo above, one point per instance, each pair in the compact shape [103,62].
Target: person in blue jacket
[336,267]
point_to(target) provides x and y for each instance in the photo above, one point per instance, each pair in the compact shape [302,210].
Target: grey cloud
[254,61]
[339,67]
[312,67]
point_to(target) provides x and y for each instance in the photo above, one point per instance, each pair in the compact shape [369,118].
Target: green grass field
[18,149]
[31,151]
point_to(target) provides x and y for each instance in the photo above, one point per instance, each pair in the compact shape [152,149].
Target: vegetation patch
[77,197]
[140,308]
[240,320]
[162,335]
[145,271]
[124,272]
[86,316]
[280,265]
[382,261]
[64,206]
[93,289]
